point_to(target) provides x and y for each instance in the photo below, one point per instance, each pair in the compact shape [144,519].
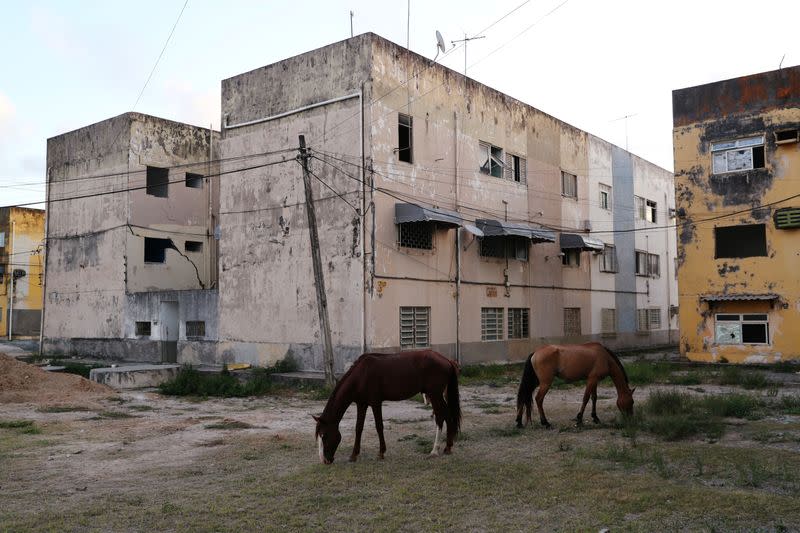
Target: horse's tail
[453,403]
[527,385]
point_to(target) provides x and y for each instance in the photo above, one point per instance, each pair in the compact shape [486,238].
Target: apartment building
[737,160]
[21,272]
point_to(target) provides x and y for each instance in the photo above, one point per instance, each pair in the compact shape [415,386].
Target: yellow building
[737,190]
[21,273]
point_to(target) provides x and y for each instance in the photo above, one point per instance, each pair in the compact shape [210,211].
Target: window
[741,329]
[493,247]
[571,258]
[2,239]
[491,323]
[517,323]
[417,235]
[405,138]
[502,247]
[572,321]
[492,160]
[654,318]
[650,211]
[193,246]
[195,328]
[787,136]
[414,327]
[653,265]
[608,321]
[641,263]
[155,250]
[569,185]
[194,181]
[143,329]
[516,168]
[749,240]
[605,197]
[640,207]
[738,155]
[518,248]
[158,181]
[608,261]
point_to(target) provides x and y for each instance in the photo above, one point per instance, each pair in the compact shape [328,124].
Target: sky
[70,63]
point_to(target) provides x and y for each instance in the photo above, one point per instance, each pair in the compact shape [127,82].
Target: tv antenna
[439,45]
[351,23]
[625,118]
[465,40]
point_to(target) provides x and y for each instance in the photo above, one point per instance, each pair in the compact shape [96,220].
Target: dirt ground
[138,461]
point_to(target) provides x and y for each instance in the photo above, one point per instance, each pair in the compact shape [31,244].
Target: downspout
[44,251]
[12,284]
[669,300]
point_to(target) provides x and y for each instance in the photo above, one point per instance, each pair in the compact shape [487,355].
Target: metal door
[169,332]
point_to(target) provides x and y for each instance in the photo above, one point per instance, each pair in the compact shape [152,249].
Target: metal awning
[738,297]
[572,241]
[404,213]
[497,228]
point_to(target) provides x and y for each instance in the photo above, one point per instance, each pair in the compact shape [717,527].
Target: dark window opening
[571,258]
[195,328]
[787,136]
[748,240]
[195,181]
[417,235]
[158,181]
[754,333]
[493,247]
[641,263]
[405,138]
[155,250]
[143,329]
[505,247]
[193,246]
[758,157]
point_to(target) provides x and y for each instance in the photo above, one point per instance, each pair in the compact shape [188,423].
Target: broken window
[748,240]
[605,197]
[143,329]
[569,185]
[195,328]
[492,160]
[608,261]
[405,137]
[158,181]
[193,246]
[417,235]
[571,258]
[517,323]
[650,211]
[738,155]
[641,263]
[194,181]
[741,329]
[516,168]
[414,327]
[572,321]
[155,250]
[608,321]
[491,323]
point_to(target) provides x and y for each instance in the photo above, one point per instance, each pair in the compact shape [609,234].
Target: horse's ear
[316,418]
[633,390]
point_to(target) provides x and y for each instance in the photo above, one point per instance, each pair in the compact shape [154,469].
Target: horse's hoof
[353,458]
[519,425]
[448,451]
[547,425]
[433,455]
[579,422]
[596,420]
[380,457]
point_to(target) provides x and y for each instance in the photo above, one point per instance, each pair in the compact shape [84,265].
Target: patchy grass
[63,409]
[493,375]
[22,427]
[228,424]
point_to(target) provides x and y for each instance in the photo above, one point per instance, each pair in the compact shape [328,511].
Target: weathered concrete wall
[23,249]
[753,105]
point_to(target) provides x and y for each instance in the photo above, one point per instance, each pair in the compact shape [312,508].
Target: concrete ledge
[134,376]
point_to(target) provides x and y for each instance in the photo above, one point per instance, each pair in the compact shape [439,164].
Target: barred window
[517,323]
[417,235]
[654,318]
[195,328]
[608,319]
[642,320]
[143,329]
[502,247]
[608,262]
[491,323]
[572,321]
[414,327]
[569,185]
[493,247]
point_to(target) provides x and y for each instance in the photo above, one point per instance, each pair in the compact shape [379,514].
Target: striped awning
[738,297]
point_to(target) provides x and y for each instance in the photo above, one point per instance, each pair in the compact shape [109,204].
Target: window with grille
[738,155]
[493,247]
[414,327]
[491,160]
[654,318]
[572,321]
[517,323]
[642,320]
[143,329]
[157,181]
[195,328]
[516,168]
[491,323]
[417,235]
[608,261]
[405,138]
[608,321]
[742,329]
[502,247]
[569,185]
[605,197]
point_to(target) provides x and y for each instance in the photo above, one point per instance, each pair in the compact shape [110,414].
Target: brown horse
[375,378]
[591,361]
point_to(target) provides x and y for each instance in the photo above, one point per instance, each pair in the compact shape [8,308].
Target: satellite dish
[439,44]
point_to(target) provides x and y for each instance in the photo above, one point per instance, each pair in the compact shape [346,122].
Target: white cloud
[188,104]
[7,112]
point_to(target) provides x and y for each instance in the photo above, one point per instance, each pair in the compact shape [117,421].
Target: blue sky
[66,64]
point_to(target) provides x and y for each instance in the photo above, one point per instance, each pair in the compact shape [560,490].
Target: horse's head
[328,439]
[625,402]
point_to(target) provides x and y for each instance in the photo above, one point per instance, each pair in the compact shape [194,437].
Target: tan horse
[571,362]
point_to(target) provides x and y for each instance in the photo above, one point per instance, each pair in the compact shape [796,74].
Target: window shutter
[523,170]
[508,171]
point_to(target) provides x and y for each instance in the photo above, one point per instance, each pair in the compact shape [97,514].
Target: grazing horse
[375,378]
[591,361]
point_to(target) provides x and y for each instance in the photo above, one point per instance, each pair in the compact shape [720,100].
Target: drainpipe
[12,284]
[669,300]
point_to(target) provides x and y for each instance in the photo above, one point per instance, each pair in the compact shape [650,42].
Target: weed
[699,466]
[731,405]
[169,508]
[114,414]
[62,409]
[492,375]
[15,424]
[141,407]
[228,424]
[564,446]
[751,474]
[660,465]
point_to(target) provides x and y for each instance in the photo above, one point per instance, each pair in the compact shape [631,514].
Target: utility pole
[319,279]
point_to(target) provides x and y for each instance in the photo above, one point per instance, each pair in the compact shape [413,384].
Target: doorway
[168,316]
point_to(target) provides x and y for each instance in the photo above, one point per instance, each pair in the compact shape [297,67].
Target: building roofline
[131,116]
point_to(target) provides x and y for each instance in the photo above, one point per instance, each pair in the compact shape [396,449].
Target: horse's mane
[347,374]
[619,363]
